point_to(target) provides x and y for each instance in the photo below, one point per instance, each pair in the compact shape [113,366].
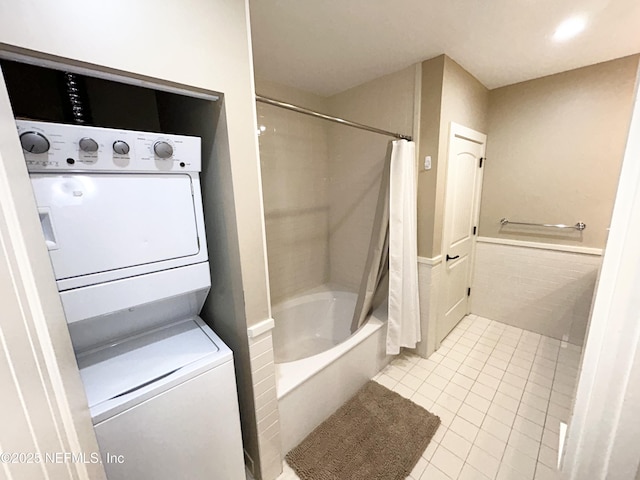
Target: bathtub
[320,364]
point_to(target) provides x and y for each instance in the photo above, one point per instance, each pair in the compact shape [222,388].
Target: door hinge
[475,229]
[469,292]
[481,161]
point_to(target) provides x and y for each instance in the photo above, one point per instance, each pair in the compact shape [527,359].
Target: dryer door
[101,222]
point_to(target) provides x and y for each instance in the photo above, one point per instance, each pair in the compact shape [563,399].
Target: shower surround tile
[487,433]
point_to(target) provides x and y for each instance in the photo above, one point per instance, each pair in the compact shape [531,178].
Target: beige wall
[294,158]
[355,166]
[554,150]
[449,94]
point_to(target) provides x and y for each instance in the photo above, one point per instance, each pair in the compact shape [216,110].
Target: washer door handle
[452,258]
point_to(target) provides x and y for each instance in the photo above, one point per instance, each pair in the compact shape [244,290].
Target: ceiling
[327,46]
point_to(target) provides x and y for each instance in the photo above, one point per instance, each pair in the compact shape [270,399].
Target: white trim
[542,246]
[259,328]
[430,261]
[36,58]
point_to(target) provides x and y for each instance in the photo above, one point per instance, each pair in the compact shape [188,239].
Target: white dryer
[122,217]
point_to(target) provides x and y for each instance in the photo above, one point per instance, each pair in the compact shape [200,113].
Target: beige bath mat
[377,434]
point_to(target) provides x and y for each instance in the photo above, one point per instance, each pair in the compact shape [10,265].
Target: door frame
[458,131]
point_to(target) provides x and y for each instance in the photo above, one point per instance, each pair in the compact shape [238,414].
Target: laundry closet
[116,173]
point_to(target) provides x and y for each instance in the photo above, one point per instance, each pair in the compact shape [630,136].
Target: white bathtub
[311,324]
[338,363]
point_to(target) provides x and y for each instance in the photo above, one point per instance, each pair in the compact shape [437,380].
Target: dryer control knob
[34,142]
[120,147]
[88,145]
[163,149]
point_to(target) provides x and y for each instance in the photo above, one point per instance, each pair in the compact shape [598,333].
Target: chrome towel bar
[578,226]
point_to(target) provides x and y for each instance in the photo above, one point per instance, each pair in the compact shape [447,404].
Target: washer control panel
[55,146]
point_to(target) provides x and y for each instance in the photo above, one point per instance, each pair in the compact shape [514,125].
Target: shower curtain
[393,251]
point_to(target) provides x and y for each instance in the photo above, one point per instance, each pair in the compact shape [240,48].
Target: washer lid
[118,370]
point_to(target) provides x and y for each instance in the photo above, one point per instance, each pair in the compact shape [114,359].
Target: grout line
[460,330]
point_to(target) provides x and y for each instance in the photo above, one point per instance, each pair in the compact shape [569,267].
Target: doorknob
[452,258]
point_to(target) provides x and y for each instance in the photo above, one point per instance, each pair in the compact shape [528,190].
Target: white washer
[122,217]
[159,402]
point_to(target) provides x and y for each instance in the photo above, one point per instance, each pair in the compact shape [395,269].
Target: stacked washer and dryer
[122,217]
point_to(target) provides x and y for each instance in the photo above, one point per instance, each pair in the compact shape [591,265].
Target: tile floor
[501,393]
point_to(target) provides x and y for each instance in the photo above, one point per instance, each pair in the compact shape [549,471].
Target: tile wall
[266,404]
[295,174]
[429,289]
[544,291]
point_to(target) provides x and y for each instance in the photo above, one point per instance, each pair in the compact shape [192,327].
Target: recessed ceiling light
[569,28]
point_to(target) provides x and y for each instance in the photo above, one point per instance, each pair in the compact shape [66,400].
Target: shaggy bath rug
[377,434]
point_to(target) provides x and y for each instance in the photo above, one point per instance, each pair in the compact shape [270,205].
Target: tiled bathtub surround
[429,289]
[294,161]
[266,403]
[500,392]
[545,291]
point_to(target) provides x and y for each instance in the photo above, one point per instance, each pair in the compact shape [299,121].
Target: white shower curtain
[404,308]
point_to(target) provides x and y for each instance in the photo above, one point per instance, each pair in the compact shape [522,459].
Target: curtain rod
[306,111]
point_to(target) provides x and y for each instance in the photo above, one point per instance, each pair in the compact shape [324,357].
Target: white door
[462,201]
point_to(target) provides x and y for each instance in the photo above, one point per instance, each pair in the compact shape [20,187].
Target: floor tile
[512,391]
[456,444]
[437,381]
[478,402]
[550,438]
[444,372]
[464,428]
[447,462]
[440,433]
[490,444]
[456,391]
[506,401]
[507,472]
[545,473]
[462,380]
[519,461]
[446,415]
[488,380]
[527,427]
[471,414]
[450,363]
[411,381]
[501,393]
[532,414]
[430,450]
[429,390]
[419,468]
[470,473]
[496,428]
[468,371]
[524,444]
[403,390]
[548,456]
[421,400]
[485,464]
[419,372]
[432,473]
[535,401]
[483,391]
[387,381]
